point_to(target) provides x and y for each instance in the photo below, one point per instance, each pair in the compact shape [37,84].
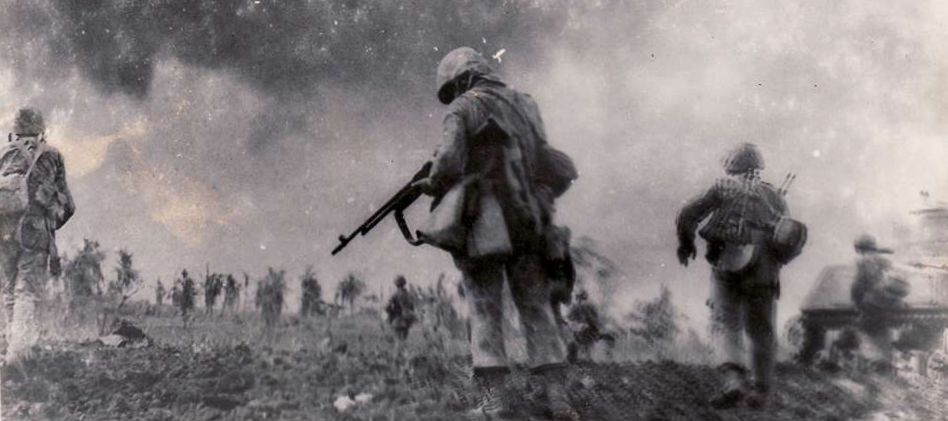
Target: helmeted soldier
[876,290]
[585,314]
[401,310]
[743,211]
[159,297]
[871,267]
[523,174]
[28,245]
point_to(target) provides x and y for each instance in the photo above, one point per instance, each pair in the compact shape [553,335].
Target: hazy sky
[252,134]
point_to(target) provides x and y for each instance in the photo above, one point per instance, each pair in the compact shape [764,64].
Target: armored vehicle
[922,262]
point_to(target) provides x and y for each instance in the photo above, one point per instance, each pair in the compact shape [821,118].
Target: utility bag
[788,239]
[17,160]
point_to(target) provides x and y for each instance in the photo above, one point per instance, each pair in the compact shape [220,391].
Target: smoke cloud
[248,134]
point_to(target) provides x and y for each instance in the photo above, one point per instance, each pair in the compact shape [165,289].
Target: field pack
[17,160]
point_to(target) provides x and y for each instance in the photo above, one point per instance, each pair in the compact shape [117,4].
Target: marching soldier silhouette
[749,237]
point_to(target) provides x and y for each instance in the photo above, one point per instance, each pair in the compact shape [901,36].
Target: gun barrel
[343,241]
[397,203]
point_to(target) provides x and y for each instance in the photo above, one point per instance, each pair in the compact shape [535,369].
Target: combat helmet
[29,122]
[743,158]
[462,61]
[866,244]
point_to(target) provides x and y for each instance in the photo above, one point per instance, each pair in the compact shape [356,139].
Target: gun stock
[397,204]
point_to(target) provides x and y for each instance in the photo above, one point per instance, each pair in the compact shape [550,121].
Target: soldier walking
[876,290]
[509,180]
[590,332]
[159,297]
[401,311]
[743,211]
[32,173]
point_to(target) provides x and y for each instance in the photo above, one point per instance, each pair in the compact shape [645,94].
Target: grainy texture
[213,373]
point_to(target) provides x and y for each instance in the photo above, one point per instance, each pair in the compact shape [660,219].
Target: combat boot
[493,403]
[733,388]
[757,398]
[558,403]
[553,377]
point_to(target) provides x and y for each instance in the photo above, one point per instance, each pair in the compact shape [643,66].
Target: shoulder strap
[40,150]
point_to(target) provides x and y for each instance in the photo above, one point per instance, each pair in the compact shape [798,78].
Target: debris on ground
[163,382]
[126,335]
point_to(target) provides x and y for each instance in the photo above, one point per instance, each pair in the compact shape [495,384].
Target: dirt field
[226,370]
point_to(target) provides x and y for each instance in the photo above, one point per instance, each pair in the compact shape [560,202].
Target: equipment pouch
[489,236]
[446,228]
[788,239]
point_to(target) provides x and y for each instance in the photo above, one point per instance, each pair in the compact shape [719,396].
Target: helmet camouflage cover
[743,158]
[29,121]
[867,244]
[460,61]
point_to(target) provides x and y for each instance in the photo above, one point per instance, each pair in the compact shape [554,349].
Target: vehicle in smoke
[922,262]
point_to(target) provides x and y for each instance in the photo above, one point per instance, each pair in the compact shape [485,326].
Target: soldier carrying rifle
[494,179]
[34,203]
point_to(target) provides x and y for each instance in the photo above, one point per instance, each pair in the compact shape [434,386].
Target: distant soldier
[743,212]
[584,314]
[312,295]
[509,181]
[186,296]
[231,294]
[213,285]
[159,296]
[401,310]
[876,291]
[176,294]
[871,267]
[34,202]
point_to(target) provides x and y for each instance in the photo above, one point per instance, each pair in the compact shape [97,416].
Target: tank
[923,263]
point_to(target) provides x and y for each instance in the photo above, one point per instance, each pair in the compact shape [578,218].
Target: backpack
[17,160]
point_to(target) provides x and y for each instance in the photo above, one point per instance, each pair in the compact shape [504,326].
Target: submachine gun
[397,205]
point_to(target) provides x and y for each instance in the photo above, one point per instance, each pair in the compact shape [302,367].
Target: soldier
[28,246]
[876,290]
[871,267]
[522,176]
[590,332]
[743,210]
[231,294]
[176,294]
[159,297]
[401,310]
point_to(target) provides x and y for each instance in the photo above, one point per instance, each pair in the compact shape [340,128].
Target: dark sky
[248,134]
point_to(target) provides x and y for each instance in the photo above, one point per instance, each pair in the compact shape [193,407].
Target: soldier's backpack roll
[788,239]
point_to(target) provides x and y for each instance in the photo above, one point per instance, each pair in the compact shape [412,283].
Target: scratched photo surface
[237,140]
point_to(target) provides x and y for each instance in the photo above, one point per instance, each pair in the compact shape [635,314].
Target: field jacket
[540,174]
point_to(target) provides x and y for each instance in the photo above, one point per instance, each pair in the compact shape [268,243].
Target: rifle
[397,205]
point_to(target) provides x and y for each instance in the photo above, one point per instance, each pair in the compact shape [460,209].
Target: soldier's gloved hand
[685,252]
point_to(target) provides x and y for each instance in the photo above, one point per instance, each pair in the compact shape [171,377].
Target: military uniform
[401,312]
[742,210]
[876,290]
[27,257]
[525,189]
[585,314]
